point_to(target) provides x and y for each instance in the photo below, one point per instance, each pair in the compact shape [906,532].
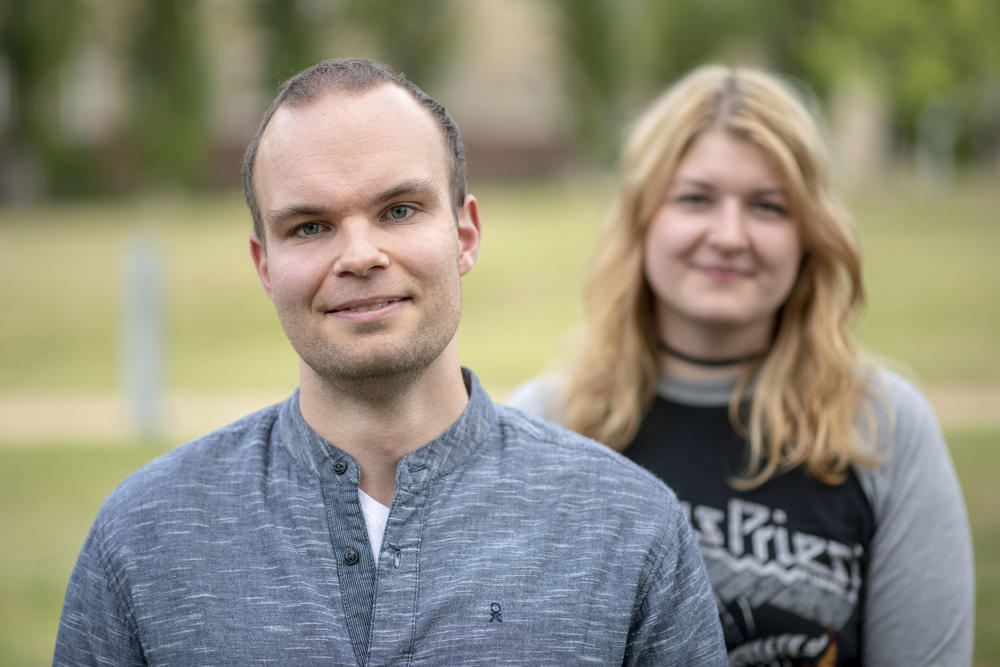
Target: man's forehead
[346,144]
[343,113]
[350,125]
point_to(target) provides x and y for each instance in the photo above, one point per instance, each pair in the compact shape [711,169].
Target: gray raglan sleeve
[96,627]
[538,397]
[676,620]
[919,605]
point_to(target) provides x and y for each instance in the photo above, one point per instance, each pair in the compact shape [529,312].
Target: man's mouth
[365,306]
[374,306]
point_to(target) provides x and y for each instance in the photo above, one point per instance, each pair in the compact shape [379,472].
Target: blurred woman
[718,352]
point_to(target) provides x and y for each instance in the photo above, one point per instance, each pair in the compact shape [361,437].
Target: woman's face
[723,250]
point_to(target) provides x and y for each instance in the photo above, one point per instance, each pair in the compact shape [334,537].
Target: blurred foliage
[170,92]
[414,36]
[36,36]
[593,42]
[935,63]
[923,53]
[926,56]
[288,39]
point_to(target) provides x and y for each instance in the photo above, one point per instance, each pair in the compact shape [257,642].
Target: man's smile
[368,309]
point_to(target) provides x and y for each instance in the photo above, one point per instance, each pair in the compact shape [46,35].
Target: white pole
[142,333]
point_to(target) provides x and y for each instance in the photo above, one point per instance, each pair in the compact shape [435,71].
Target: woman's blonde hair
[807,389]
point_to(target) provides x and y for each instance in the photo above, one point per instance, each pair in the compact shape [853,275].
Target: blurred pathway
[95,419]
[88,420]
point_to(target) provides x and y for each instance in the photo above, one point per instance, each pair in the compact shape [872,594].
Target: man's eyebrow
[423,187]
[293,211]
[420,187]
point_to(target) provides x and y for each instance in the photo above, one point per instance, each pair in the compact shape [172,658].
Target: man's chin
[370,370]
[393,365]
[378,358]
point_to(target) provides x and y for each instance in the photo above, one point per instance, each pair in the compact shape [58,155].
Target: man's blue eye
[309,229]
[399,212]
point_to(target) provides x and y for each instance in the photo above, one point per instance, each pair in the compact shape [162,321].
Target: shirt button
[350,556]
[340,466]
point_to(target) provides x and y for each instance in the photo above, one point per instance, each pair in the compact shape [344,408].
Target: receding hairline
[358,76]
[421,185]
[324,96]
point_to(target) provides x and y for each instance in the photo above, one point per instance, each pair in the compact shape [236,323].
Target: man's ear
[469,232]
[258,253]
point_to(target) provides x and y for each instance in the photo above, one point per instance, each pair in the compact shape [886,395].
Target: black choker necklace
[698,361]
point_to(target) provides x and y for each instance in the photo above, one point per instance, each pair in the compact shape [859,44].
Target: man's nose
[359,249]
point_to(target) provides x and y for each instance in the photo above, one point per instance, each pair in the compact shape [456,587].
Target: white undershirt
[376,515]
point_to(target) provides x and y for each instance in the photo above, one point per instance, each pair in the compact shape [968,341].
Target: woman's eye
[693,199]
[771,208]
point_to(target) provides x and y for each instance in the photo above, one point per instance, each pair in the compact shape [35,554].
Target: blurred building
[501,81]
[110,96]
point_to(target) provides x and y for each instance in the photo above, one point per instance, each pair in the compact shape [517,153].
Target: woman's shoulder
[910,444]
[540,396]
[898,403]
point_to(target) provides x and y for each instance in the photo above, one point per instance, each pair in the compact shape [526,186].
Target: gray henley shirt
[510,541]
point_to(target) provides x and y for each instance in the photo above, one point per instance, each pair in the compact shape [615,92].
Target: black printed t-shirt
[786,560]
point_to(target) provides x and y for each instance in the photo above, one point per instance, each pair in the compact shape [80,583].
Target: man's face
[362,255]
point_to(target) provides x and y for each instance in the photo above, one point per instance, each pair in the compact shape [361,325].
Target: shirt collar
[435,459]
[702,393]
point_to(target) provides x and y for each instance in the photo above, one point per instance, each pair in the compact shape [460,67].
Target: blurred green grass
[929,258]
[62,266]
[931,273]
[49,495]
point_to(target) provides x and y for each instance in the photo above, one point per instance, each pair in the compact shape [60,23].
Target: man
[388,512]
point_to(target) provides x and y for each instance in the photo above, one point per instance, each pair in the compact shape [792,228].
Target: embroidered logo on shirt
[495,614]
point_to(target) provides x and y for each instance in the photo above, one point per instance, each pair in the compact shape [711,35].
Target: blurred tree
[921,52]
[289,40]
[927,55]
[592,40]
[413,36]
[938,64]
[675,37]
[632,50]
[169,119]
[35,38]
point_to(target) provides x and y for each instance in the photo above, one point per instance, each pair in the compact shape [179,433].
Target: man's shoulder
[199,467]
[583,463]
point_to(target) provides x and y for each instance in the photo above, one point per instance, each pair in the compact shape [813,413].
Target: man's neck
[378,421]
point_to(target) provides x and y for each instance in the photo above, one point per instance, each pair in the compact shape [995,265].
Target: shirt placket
[394,612]
[355,563]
